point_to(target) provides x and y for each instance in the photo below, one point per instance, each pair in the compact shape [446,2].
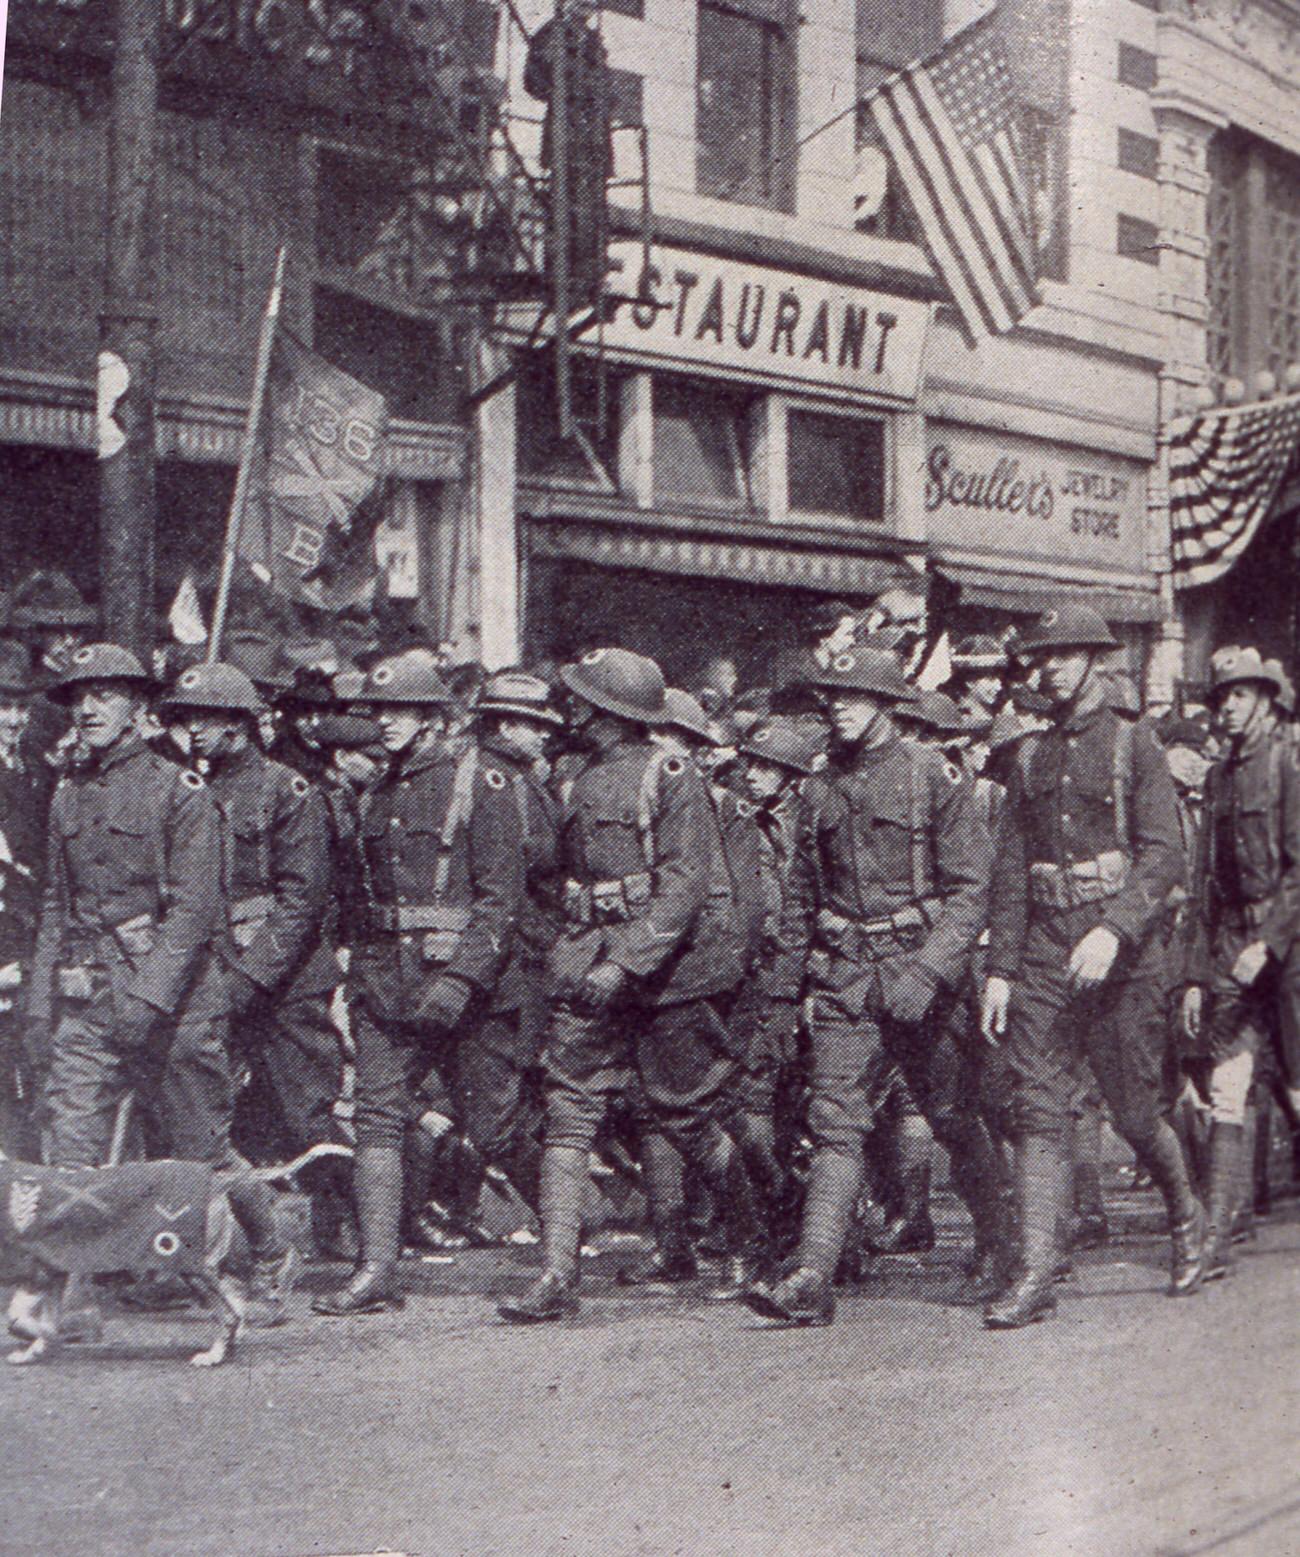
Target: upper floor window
[745,102]
[1252,258]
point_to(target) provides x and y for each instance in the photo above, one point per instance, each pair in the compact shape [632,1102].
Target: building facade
[780,405]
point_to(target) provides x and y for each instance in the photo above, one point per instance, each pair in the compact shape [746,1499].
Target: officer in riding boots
[887,892]
[1087,852]
[442,846]
[280,962]
[124,992]
[643,976]
[1246,897]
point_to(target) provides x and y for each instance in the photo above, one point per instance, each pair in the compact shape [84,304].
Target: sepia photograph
[650,778]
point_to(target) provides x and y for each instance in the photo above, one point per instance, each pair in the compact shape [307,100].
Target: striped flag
[949,128]
[1226,470]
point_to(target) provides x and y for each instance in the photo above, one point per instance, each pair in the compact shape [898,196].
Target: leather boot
[1168,1168]
[1039,1174]
[804,1297]
[910,1230]
[549,1298]
[1226,1151]
[372,1290]
[673,1260]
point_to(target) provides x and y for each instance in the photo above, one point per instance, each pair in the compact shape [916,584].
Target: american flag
[950,130]
[1226,470]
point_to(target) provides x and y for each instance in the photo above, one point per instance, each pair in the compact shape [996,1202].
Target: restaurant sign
[997,492]
[722,314]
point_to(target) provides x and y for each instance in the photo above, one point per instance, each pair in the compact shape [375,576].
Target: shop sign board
[997,492]
[725,314]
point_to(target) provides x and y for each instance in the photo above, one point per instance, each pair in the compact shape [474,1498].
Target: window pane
[837,465]
[541,451]
[699,442]
[744,79]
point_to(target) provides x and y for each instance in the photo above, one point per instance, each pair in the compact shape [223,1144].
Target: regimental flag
[319,459]
[949,127]
[1226,470]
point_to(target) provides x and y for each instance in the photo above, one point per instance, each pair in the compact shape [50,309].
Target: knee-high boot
[1226,1152]
[378,1186]
[1041,1180]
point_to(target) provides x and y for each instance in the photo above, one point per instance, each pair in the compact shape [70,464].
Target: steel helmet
[787,742]
[406,678]
[876,671]
[520,693]
[100,662]
[936,711]
[1286,687]
[979,655]
[620,682]
[1230,666]
[684,712]
[221,688]
[1069,625]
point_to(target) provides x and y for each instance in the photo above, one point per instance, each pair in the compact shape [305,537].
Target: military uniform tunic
[441,903]
[889,882]
[647,888]
[277,864]
[132,908]
[1088,836]
[1247,888]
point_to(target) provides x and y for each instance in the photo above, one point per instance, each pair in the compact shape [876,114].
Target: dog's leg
[34,1318]
[229,1303]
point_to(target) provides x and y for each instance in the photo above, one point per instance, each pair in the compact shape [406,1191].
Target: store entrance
[681,622]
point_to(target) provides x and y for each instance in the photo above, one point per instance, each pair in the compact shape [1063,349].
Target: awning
[725,557]
[1028,593]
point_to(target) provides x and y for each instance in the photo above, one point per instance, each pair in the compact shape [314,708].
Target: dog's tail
[287,1172]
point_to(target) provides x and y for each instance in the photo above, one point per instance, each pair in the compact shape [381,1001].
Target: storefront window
[541,449]
[837,465]
[700,443]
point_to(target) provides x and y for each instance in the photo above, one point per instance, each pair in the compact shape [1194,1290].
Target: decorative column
[1186,127]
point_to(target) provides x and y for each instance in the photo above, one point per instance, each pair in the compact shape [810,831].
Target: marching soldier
[281,970]
[642,977]
[1087,853]
[121,992]
[1246,895]
[779,755]
[499,1059]
[442,848]
[887,893]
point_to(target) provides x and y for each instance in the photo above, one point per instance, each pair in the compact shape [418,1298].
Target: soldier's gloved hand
[1094,956]
[601,987]
[911,995]
[1250,963]
[133,1023]
[994,1007]
[1193,1008]
[444,1003]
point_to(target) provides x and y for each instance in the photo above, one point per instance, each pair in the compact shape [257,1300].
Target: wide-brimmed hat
[617,681]
[876,671]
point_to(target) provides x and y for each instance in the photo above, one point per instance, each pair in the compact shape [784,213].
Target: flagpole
[248,448]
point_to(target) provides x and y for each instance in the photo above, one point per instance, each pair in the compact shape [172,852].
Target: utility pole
[127,376]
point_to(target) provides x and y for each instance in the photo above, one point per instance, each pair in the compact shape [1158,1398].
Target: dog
[67,1224]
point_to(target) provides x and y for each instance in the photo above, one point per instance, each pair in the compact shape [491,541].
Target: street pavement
[659,1424]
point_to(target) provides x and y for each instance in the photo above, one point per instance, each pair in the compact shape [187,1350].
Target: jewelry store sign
[722,314]
[1000,493]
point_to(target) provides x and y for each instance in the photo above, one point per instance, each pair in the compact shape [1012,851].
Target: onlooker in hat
[49,614]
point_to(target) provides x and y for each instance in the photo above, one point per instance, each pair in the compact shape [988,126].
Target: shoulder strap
[917,825]
[1123,781]
[647,804]
[519,783]
[462,799]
